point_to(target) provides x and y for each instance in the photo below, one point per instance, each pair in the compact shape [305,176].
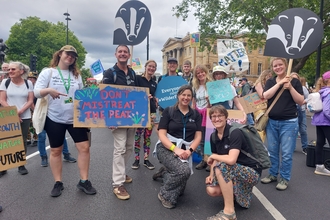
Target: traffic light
[33,63]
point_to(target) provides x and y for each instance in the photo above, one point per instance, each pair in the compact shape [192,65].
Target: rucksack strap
[114,73]
[9,80]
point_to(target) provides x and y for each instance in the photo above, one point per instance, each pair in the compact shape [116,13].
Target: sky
[92,21]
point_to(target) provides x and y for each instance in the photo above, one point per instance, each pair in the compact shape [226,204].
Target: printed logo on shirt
[227,146]
[191,120]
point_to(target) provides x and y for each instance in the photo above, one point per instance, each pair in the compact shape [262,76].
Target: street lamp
[67,26]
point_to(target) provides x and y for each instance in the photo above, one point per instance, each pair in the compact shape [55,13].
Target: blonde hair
[319,84]
[262,78]
[285,61]
[195,81]
[145,66]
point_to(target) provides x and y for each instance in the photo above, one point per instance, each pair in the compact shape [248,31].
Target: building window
[249,69]
[260,50]
[189,50]
[259,68]
[215,49]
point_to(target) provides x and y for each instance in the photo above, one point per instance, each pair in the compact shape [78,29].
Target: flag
[97,67]
[194,40]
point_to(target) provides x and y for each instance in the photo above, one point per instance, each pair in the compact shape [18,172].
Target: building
[180,48]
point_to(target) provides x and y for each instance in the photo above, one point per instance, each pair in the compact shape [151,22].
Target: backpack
[314,102]
[9,80]
[115,74]
[260,152]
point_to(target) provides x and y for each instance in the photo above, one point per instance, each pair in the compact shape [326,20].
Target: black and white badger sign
[294,33]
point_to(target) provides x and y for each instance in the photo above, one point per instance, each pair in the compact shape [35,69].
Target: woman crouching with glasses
[179,134]
[233,174]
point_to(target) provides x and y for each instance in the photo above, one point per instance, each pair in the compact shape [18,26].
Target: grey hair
[23,67]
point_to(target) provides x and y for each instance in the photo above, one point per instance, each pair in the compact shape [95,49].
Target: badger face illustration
[132,23]
[297,31]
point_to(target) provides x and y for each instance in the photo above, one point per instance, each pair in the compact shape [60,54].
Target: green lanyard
[66,86]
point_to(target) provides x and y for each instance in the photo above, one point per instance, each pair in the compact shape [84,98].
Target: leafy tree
[41,38]
[220,17]
[85,73]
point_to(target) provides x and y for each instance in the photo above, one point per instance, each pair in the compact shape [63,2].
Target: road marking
[268,206]
[36,153]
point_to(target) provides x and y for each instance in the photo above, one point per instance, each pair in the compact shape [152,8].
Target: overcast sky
[93,24]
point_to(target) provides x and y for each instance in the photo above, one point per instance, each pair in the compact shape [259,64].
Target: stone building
[180,48]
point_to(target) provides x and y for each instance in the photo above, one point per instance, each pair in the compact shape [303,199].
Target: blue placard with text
[219,91]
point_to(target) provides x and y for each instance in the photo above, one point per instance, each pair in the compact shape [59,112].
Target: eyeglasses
[215,117]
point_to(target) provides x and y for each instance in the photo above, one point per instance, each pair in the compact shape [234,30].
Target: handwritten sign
[252,103]
[219,91]
[136,64]
[195,40]
[167,89]
[233,116]
[12,153]
[112,105]
[97,68]
[232,55]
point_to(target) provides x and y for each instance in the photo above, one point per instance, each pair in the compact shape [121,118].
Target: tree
[40,38]
[220,17]
[85,73]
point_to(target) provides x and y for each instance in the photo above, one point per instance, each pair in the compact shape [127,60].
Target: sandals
[222,216]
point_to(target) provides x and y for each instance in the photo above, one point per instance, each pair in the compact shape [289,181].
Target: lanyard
[184,124]
[66,86]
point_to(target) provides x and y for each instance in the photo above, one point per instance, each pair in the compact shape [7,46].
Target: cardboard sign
[232,55]
[112,105]
[167,89]
[219,91]
[294,33]
[137,65]
[252,103]
[233,116]
[12,153]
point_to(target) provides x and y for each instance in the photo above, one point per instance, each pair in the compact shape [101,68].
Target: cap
[69,48]
[32,75]
[172,59]
[326,75]
[245,79]
[219,69]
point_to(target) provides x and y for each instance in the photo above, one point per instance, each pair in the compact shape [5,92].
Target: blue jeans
[250,120]
[281,139]
[302,128]
[42,144]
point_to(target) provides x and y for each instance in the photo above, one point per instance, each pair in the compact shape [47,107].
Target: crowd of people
[180,128]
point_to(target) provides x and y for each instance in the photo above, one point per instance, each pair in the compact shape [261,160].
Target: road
[28,197]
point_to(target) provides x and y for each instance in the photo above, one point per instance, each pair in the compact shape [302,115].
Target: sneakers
[304,151]
[68,158]
[121,192]
[136,165]
[86,187]
[22,170]
[128,179]
[201,165]
[269,179]
[159,174]
[165,203]
[2,173]
[321,170]
[44,161]
[282,184]
[57,190]
[148,165]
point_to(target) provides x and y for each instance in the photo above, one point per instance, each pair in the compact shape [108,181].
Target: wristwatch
[191,150]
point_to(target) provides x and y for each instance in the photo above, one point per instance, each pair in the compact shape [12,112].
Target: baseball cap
[219,69]
[172,59]
[69,48]
[245,79]
[326,75]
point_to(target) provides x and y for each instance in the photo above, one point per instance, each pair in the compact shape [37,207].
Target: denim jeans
[302,128]
[281,140]
[42,144]
[250,120]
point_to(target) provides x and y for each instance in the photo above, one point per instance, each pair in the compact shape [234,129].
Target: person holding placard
[146,81]
[59,83]
[282,127]
[201,103]
[17,91]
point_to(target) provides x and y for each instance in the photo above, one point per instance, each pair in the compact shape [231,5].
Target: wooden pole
[288,72]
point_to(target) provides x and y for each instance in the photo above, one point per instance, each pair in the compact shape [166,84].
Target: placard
[219,91]
[252,103]
[12,153]
[112,105]
[233,116]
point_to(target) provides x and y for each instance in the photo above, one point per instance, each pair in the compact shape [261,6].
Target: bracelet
[172,147]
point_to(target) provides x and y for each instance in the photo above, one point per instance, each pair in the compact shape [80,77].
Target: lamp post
[319,50]
[67,26]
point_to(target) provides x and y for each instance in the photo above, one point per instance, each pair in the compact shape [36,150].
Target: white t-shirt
[201,94]
[59,110]
[17,95]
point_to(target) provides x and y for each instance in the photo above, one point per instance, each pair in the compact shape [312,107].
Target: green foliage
[85,73]
[41,38]
[252,18]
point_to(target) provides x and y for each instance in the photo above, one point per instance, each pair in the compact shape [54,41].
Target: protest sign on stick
[219,91]
[252,103]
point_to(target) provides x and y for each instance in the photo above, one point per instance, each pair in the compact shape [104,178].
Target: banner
[97,68]
[195,40]
[219,91]
[167,89]
[232,55]
[252,103]
[136,64]
[233,116]
[112,105]
[12,153]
